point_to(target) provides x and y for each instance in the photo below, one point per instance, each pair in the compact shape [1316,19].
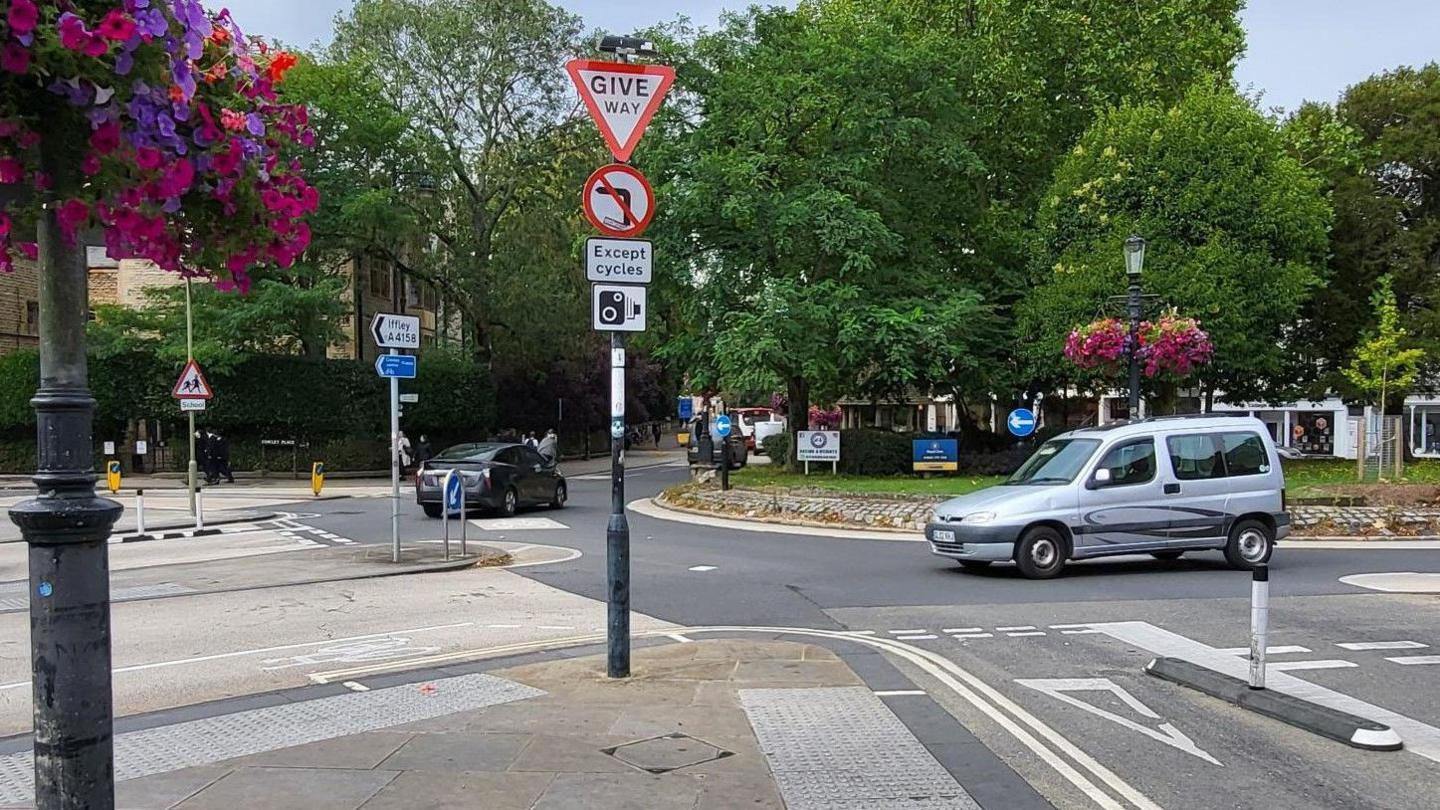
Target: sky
[1297,49]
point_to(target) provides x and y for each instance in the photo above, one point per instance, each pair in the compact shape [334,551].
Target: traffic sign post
[1021,422]
[619,201]
[395,332]
[722,429]
[452,497]
[193,391]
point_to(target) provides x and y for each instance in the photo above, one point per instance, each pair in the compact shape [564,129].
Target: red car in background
[748,419]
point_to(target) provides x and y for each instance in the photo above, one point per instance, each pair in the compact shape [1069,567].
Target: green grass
[1307,477]
[767,476]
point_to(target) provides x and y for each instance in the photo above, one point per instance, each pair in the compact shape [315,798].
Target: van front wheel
[1041,553]
[1251,543]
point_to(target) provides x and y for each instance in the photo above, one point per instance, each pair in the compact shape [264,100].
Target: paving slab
[290,789]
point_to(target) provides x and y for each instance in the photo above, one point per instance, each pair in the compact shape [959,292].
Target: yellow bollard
[317,477]
[112,476]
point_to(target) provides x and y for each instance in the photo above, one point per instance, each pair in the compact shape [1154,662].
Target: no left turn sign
[619,201]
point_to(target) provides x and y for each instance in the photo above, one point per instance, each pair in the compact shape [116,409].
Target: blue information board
[687,409]
[935,455]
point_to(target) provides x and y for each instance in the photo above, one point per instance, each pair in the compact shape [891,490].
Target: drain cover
[668,753]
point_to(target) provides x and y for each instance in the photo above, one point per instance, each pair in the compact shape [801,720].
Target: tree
[1382,368]
[478,89]
[1236,230]
[817,213]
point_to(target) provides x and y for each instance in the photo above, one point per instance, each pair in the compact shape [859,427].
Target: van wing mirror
[1100,478]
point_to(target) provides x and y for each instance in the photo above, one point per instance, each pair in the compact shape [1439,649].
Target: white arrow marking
[1168,734]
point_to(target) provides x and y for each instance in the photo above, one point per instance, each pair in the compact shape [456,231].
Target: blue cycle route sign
[402,366]
[687,409]
[1021,422]
[722,426]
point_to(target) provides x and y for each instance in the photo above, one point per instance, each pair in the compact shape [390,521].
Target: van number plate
[944,536]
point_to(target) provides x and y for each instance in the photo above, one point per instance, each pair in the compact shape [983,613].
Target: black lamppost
[1134,263]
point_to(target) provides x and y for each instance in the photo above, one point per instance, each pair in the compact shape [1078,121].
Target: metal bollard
[1259,623]
[464,518]
[199,509]
[139,511]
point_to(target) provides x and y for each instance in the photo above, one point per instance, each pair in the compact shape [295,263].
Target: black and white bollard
[140,512]
[199,509]
[1259,623]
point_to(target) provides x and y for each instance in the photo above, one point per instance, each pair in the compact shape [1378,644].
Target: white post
[395,465]
[465,517]
[1259,621]
[807,466]
[445,509]
[139,511]
[199,509]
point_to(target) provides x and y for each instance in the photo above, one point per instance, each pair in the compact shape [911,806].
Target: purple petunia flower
[254,125]
[151,22]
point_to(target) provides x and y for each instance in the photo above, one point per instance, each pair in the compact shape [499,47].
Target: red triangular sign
[622,98]
[191,384]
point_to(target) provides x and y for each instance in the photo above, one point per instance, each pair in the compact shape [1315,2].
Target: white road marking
[1396,582]
[517,524]
[920,637]
[1068,626]
[1415,660]
[554,627]
[1420,738]
[1284,666]
[1022,635]
[503,626]
[1078,632]
[1009,629]
[861,632]
[702,568]
[354,652]
[961,630]
[355,687]
[974,635]
[899,692]
[1358,646]
[679,638]
[1167,734]
[239,653]
[1268,650]
[904,632]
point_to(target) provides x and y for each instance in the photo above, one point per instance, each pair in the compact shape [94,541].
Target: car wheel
[1041,553]
[1251,543]
[509,504]
[1166,555]
[558,502]
[975,565]
[432,510]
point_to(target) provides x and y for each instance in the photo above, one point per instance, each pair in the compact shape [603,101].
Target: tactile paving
[212,739]
[843,749]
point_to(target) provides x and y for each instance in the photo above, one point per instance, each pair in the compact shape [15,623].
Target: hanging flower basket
[1171,345]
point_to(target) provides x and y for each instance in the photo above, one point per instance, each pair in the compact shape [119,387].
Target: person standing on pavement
[549,447]
[404,452]
[220,458]
[422,450]
[203,461]
[657,431]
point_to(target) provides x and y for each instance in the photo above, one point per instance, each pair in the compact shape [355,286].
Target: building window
[429,299]
[32,317]
[412,293]
[379,280]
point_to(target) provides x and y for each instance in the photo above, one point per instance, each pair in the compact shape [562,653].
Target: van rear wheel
[1251,543]
[1041,553]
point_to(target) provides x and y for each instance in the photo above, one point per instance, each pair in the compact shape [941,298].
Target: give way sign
[618,200]
[622,98]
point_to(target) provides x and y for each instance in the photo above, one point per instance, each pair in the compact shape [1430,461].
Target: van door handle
[1172,489]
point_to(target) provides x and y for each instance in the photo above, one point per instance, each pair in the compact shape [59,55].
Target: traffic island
[1354,731]
[428,556]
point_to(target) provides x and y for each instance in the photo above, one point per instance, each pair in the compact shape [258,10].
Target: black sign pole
[617,531]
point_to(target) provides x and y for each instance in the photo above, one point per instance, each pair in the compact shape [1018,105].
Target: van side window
[1196,457]
[1132,463]
[1245,454]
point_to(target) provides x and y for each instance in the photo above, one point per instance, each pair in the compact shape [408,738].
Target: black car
[498,477]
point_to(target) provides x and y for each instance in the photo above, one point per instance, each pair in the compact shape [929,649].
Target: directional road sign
[619,201]
[618,307]
[621,98]
[395,331]
[452,492]
[401,366]
[687,408]
[191,384]
[625,261]
[1021,422]
[722,426]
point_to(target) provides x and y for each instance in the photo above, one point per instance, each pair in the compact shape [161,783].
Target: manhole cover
[668,753]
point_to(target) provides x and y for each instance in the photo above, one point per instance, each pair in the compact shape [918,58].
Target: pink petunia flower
[106,138]
[148,158]
[11,171]
[117,26]
[72,214]
[22,17]
[14,58]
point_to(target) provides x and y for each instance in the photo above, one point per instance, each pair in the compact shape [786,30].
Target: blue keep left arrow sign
[402,366]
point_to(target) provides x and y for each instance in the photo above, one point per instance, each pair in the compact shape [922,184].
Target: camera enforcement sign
[618,260]
[618,307]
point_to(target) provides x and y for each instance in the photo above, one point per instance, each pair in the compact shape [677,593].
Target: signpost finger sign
[619,201]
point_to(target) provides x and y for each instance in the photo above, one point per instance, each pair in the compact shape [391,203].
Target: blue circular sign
[1021,422]
[452,492]
[722,426]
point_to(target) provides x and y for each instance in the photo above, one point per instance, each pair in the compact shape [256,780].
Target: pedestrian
[220,455]
[655,428]
[404,451]
[530,440]
[422,450]
[549,447]
[202,456]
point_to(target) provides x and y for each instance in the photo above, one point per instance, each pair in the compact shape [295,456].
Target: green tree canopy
[1236,230]
[1383,368]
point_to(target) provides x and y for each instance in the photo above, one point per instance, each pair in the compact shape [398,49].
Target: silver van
[1160,486]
